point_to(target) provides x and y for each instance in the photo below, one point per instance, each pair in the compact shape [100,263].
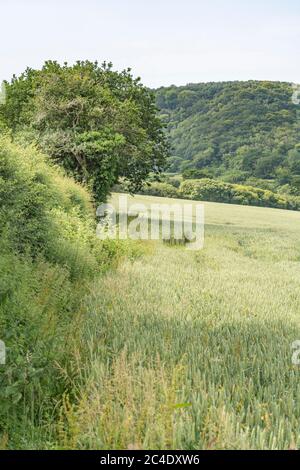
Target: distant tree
[293,161]
[204,158]
[295,184]
[283,175]
[246,157]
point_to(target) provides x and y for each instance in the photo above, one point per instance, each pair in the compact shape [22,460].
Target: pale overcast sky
[163,41]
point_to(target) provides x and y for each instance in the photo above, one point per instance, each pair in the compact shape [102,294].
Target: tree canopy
[236,130]
[98,123]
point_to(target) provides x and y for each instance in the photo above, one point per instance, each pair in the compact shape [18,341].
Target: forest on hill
[239,132]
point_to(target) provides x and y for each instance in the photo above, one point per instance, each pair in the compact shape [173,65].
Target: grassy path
[193,349]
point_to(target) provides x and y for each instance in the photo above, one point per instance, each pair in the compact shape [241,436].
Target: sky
[163,41]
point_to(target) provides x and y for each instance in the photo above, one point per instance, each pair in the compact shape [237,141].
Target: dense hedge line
[217,191]
[160,189]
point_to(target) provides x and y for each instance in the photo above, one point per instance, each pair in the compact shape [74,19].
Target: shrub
[97,123]
[195,173]
[217,191]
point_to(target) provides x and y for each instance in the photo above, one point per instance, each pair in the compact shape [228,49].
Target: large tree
[98,123]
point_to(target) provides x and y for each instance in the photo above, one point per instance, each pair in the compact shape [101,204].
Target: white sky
[165,42]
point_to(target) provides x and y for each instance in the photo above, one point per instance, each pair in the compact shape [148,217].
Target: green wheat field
[192,349]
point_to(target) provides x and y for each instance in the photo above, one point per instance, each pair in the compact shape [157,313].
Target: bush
[160,189]
[48,255]
[174,180]
[217,191]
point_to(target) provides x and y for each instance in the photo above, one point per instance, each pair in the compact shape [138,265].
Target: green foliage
[232,128]
[65,327]
[212,329]
[207,189]
[217,191]
[49,255]
[38,202]
[97,123]
[195,174]
[160,189]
